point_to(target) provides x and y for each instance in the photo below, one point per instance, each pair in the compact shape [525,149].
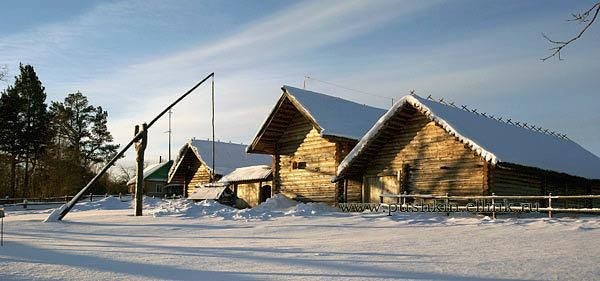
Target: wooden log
[140,147]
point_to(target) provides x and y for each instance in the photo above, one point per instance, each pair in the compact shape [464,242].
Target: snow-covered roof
[333,116]
[494,140]
[208,191]
[252,173]
[149,172]
[228,156]
[336,117]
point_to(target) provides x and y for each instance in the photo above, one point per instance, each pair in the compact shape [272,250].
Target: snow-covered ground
[281,240]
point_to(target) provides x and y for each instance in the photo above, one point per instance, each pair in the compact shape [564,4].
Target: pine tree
[84,129]
[98,149]
[26,133]
[11,123]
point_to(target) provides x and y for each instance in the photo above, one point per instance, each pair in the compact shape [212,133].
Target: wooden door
[374,186]
[265,193]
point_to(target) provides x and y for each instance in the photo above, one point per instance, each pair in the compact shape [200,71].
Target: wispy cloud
[248,63]
[254,59]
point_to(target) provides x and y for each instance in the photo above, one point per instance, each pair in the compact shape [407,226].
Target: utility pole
[169,131]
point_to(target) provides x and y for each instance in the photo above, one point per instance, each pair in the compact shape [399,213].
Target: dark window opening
[298,165]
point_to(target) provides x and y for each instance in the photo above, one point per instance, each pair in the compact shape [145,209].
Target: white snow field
[282,240]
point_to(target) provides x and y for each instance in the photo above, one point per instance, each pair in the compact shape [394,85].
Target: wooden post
[67,207]
[447,202]
[550,205]
[140,147]
[493,207]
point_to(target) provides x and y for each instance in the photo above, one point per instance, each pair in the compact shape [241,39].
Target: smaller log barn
[308,134]
[251,185]
[422,146]
[193,165]
[155,180]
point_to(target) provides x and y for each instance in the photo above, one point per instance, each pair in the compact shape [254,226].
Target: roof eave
[285,95]
[383,120]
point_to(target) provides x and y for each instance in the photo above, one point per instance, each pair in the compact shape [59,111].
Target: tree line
[51,149]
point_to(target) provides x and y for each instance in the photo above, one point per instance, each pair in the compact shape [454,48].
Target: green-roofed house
[155,181]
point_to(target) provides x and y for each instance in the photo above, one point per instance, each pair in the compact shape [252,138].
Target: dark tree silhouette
[83,126]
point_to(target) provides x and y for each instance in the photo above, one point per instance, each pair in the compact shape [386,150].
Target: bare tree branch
[580,18]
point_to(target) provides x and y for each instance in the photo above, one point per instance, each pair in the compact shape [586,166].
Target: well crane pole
[61,212]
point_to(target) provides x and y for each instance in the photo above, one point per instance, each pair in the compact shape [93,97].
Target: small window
[298,165]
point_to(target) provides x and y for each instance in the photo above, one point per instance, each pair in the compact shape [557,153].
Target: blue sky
[134,57]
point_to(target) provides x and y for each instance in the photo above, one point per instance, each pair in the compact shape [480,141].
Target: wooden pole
[170,132]
[212,87]
[550,205]
[64,210]
[140,147]
[493,207]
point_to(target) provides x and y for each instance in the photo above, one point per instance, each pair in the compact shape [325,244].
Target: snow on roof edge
[303,108]
[249,173]
[250,147]
[364,141]
[179,158]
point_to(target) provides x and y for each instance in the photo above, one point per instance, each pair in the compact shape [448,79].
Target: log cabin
[250,185]
[193,165]
[155,180]
[308,134]
[421,146]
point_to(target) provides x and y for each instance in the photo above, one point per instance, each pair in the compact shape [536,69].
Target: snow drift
[105,203]
[276,206]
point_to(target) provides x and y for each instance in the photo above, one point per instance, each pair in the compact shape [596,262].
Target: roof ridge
[216,141]
[335,97]
[500,119]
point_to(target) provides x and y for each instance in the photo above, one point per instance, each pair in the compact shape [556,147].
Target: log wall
[520,180]
[301,142]
[248,194]
[430,160]
[200,176]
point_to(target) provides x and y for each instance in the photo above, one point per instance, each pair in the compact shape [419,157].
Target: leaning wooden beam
[60,213]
